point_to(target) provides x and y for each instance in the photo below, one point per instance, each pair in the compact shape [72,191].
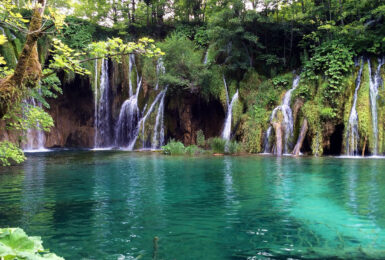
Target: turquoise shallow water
[111,205]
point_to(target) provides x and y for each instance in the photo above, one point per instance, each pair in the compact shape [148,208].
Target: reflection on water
[111,205]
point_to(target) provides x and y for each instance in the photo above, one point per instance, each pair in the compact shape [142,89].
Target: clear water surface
[111,205]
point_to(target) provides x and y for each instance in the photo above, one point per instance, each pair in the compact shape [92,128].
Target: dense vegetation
[255,45]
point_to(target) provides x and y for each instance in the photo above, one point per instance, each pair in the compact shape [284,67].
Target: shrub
[218,145]
[10,153]
[233,147]
[193,150]
[201,141]
[15,244]
[332,60]
[174,148]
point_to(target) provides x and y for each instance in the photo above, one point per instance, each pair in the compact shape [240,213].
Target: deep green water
[111,205]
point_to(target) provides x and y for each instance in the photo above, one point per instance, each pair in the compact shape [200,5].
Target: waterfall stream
[131,120]
[160,70]
[131,63]
[141,122]
[35,137]
[288,123]
[226,91]
[129,115]
[206,58]
[227,126]
[375,82]
[158,137]
[352,136]
[103,110]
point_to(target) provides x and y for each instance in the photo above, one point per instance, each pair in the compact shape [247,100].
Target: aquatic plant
[15,245]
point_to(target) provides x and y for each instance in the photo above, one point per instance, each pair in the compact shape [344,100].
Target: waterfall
[352,131]
[129,115]
[131,63]
[126,125]
[142,121]
[158,137]
[375,82]
[160,69]
[226,91]
[103,110]
[206,59]
[288,122]
[35,137]
[96,103]
[131,119]
[227,127]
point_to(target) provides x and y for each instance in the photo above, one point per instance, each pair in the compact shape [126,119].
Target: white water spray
[142,121]
[158,137]
[375,82]
[35,137]
[103,110]
[352,136]
[288,121]
[227,126]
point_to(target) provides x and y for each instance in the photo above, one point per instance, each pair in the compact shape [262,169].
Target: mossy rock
[365,128]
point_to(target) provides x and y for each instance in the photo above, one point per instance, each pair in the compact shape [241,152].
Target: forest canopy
[234,37]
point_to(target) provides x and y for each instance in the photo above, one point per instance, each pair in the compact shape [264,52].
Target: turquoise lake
[111,205]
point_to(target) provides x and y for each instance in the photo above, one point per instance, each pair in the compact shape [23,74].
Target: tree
[20,83]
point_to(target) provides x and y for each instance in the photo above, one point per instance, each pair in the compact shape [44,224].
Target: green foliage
[15,244]
[252,129]
[334,60]
[327,113]
[50,87]
[365,127]
[233,147]
[194,33]
[78,33]
[281,81]
[184,68]
[28,116]
[10,153]
[177,148]
[201,140]
[174,148]
[193,150]
[311,111]
[217,145]
[303,91]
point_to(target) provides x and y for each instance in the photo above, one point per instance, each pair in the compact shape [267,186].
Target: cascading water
[288,122]
[206,59]
[141,122]
[226,91]
[375,82]
[35,137]
[131,64]
[102,110]
[160,69]
[352,131]
[227,126]
[128,119]
[158,137]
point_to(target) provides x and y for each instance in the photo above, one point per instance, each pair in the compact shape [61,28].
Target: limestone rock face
[73,116]
[189,113]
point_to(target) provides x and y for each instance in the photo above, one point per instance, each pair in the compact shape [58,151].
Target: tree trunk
[27,67]
[341,12]
[133,11]
[301,138]
[364,147]
[278,137]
